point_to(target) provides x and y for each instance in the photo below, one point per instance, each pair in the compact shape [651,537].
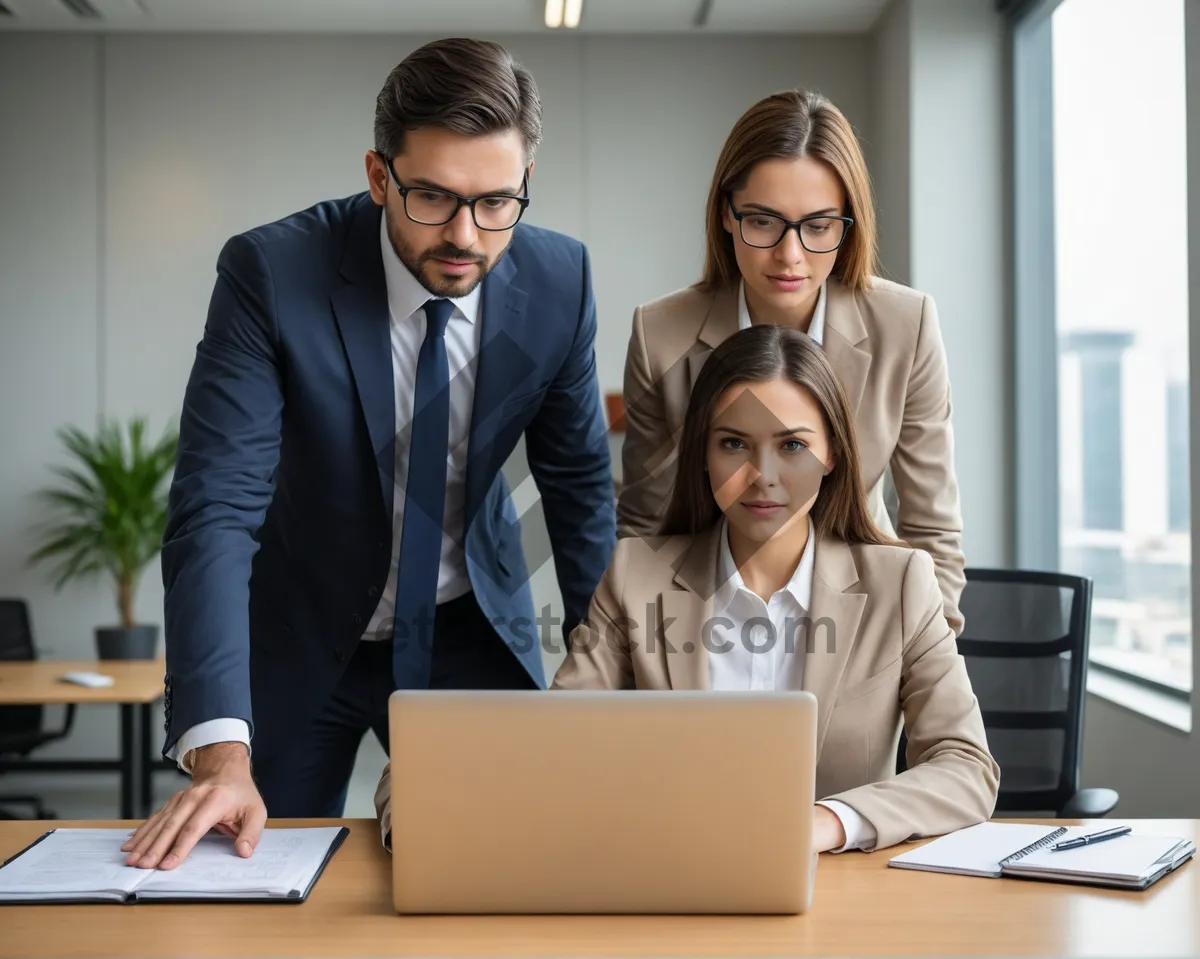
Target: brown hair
[794,123]
[753,355]
[473,87]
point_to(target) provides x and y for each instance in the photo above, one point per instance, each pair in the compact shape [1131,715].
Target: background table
[861,908]
[137,685]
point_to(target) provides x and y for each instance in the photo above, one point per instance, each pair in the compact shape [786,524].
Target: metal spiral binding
[1034,847]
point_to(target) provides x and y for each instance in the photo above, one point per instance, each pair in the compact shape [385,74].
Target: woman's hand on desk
[828,831]
[222,795]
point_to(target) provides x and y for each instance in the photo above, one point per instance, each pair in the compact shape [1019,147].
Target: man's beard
[447,286]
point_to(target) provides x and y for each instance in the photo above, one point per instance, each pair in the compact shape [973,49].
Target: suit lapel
[836,615]
[361,309]
[845,342]
[720,324]
[684,612]
[503,368]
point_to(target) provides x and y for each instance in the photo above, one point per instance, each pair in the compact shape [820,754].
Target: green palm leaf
[108,510]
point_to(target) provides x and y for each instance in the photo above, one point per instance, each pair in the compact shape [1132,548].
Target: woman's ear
[830,464]
[727,218]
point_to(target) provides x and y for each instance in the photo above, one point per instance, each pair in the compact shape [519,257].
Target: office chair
[1025,644]
[21,727]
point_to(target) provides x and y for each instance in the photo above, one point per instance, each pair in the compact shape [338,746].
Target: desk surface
[134,681]
[860,908]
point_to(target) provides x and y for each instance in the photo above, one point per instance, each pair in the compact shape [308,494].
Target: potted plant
[108,513]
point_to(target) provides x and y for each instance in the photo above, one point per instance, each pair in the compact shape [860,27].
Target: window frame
[1037,519]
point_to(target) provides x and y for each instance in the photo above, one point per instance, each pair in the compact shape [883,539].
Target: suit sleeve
[567,446]
[952,780]
[929,516]
[648,451]
[229,440]
[599,655]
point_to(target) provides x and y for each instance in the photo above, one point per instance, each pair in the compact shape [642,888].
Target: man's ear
[377,177]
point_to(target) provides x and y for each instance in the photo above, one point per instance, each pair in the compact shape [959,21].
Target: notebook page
[974,851]
[71,863]
[1132,857]
[285,859]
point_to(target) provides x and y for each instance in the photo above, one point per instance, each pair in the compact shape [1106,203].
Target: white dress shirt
[816,326]
[406,301]
[746,655]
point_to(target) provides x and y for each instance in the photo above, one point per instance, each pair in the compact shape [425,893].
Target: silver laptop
[602,802]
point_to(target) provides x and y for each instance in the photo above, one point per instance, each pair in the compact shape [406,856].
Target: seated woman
[771,575]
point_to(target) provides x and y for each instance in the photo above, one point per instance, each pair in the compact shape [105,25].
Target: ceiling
[438,16]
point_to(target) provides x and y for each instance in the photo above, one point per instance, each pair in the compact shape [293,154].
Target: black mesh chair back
[1025,644]
[16,643]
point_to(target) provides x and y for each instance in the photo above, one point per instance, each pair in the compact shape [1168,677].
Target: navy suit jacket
[279,535]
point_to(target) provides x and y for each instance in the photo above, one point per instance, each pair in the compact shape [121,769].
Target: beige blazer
[886,347]
[879,652]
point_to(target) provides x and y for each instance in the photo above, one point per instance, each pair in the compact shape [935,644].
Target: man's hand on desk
[222,795]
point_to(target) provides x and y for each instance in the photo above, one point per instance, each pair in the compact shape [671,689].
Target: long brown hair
[754,355]
[794,123]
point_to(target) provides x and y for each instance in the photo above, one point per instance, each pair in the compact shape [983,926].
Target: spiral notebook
[995,850]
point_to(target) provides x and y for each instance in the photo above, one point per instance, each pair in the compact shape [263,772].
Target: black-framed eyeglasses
[818,234]
[494,212]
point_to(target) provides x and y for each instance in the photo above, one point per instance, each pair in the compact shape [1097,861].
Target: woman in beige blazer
[790,236]
[772,575]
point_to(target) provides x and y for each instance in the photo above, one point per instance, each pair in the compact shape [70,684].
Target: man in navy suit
[339,525]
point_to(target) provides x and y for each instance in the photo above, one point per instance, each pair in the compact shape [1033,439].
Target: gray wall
[50,329]
[891,119]
[125,162]
[940,164]
[958,244]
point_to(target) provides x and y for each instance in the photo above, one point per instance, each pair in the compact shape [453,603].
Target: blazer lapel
[685,611]
[503,367]
[361,309]
[845,342]
[720,324]
[831,636]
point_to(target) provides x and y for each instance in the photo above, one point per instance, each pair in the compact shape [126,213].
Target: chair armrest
[1090,804]
[68,722]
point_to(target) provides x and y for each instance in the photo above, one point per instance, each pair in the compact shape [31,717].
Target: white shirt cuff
[860,834]
[207,733]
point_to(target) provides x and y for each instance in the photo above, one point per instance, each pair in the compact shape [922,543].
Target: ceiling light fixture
[574,9]
[554,14]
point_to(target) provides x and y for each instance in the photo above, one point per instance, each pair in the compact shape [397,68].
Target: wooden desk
[137,685]
[860,908]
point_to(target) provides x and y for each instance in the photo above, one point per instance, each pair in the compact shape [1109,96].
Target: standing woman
[790,237]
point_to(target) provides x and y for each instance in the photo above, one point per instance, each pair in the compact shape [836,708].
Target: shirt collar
[405,293]
[730,582]
[816,327]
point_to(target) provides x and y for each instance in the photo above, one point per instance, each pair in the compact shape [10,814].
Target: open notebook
[87,865]
[996,850]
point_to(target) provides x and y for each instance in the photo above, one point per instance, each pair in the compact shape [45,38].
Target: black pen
[1091,838]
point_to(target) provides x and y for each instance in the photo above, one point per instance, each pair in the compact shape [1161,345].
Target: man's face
[450,259]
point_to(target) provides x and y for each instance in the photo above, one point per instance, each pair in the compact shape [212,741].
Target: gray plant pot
[137,642]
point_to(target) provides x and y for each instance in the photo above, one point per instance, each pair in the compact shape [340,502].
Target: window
[1109,172]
